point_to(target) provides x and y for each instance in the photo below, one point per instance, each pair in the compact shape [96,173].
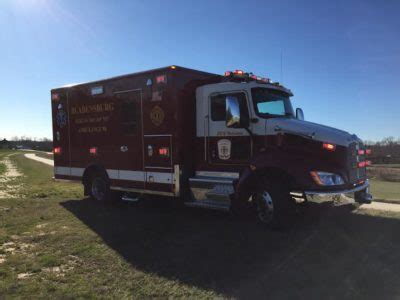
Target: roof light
[93,150]
[361,152]
[228,73]
[239,72]
[329,147]
[368,151]
[57,150]
[173,67]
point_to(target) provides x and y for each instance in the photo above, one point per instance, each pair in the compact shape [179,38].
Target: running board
[208,205]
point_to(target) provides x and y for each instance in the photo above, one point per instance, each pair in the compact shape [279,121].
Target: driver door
[227,146]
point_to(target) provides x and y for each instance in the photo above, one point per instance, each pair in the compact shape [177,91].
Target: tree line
[385,151]
[23,142]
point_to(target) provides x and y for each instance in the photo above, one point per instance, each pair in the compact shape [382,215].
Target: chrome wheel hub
[265,207]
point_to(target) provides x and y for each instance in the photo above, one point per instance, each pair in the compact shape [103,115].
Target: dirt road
[8,183]
[33,156]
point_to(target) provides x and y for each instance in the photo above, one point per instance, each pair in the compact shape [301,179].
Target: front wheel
[265,207]
[272,204]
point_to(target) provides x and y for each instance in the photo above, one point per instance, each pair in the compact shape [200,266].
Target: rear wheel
[99,188]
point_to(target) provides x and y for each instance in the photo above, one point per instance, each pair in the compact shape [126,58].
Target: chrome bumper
[324,196]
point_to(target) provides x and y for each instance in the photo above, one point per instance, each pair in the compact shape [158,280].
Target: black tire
[99,188]
[272,203]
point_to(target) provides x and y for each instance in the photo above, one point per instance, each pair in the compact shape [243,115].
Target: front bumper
[325,196]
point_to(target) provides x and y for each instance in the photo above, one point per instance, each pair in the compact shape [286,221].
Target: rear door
[61,137]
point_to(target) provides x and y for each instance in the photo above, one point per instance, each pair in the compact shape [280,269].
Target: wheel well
[275,174]
[254,181]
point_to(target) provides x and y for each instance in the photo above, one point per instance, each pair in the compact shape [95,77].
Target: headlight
[325,178]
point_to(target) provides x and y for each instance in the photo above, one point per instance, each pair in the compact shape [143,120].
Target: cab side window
[218,110]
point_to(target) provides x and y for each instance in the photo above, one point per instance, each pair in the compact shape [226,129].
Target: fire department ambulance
[220,142]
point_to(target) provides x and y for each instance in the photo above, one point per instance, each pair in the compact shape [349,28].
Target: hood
[310,130]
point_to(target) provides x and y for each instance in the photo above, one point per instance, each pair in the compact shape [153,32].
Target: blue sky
[341,58]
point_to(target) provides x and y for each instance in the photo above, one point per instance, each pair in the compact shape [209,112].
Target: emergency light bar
[244,75]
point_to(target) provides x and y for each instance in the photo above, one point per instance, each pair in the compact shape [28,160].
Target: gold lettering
[93,108]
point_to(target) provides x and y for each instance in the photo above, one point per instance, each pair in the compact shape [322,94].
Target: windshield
[271,103]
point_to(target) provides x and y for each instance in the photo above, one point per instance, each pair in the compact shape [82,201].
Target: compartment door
[158,162]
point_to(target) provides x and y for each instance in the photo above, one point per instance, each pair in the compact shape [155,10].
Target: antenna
[281,66]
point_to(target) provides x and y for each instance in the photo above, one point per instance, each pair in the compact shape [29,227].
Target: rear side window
[218,109]
[129,103]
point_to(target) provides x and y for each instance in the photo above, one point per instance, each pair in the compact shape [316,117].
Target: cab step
[209,205]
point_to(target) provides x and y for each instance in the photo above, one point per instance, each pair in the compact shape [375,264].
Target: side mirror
[299,114]
[232,112]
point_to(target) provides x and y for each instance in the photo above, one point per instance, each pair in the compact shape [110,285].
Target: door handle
[277,128]
[124,148]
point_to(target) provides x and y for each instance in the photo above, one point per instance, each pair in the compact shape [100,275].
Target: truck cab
[257,147]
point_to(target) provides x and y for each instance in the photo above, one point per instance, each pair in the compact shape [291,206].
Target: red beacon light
[55,97]
[368,151]
[228,73]
[239,72]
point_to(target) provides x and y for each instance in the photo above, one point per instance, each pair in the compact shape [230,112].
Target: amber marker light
[329,147]
[316,178]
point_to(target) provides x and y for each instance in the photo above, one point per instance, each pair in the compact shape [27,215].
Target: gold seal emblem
[157,115]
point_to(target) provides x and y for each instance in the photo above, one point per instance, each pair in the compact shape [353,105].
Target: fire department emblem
[157,115]
[224,149]
[61,118]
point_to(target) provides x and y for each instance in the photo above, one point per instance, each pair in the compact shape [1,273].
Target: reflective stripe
[157,177]
[218,174]
[69,171]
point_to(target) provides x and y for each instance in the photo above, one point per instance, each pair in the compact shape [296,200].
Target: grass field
[385,190]
[385,181]
[54,243]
